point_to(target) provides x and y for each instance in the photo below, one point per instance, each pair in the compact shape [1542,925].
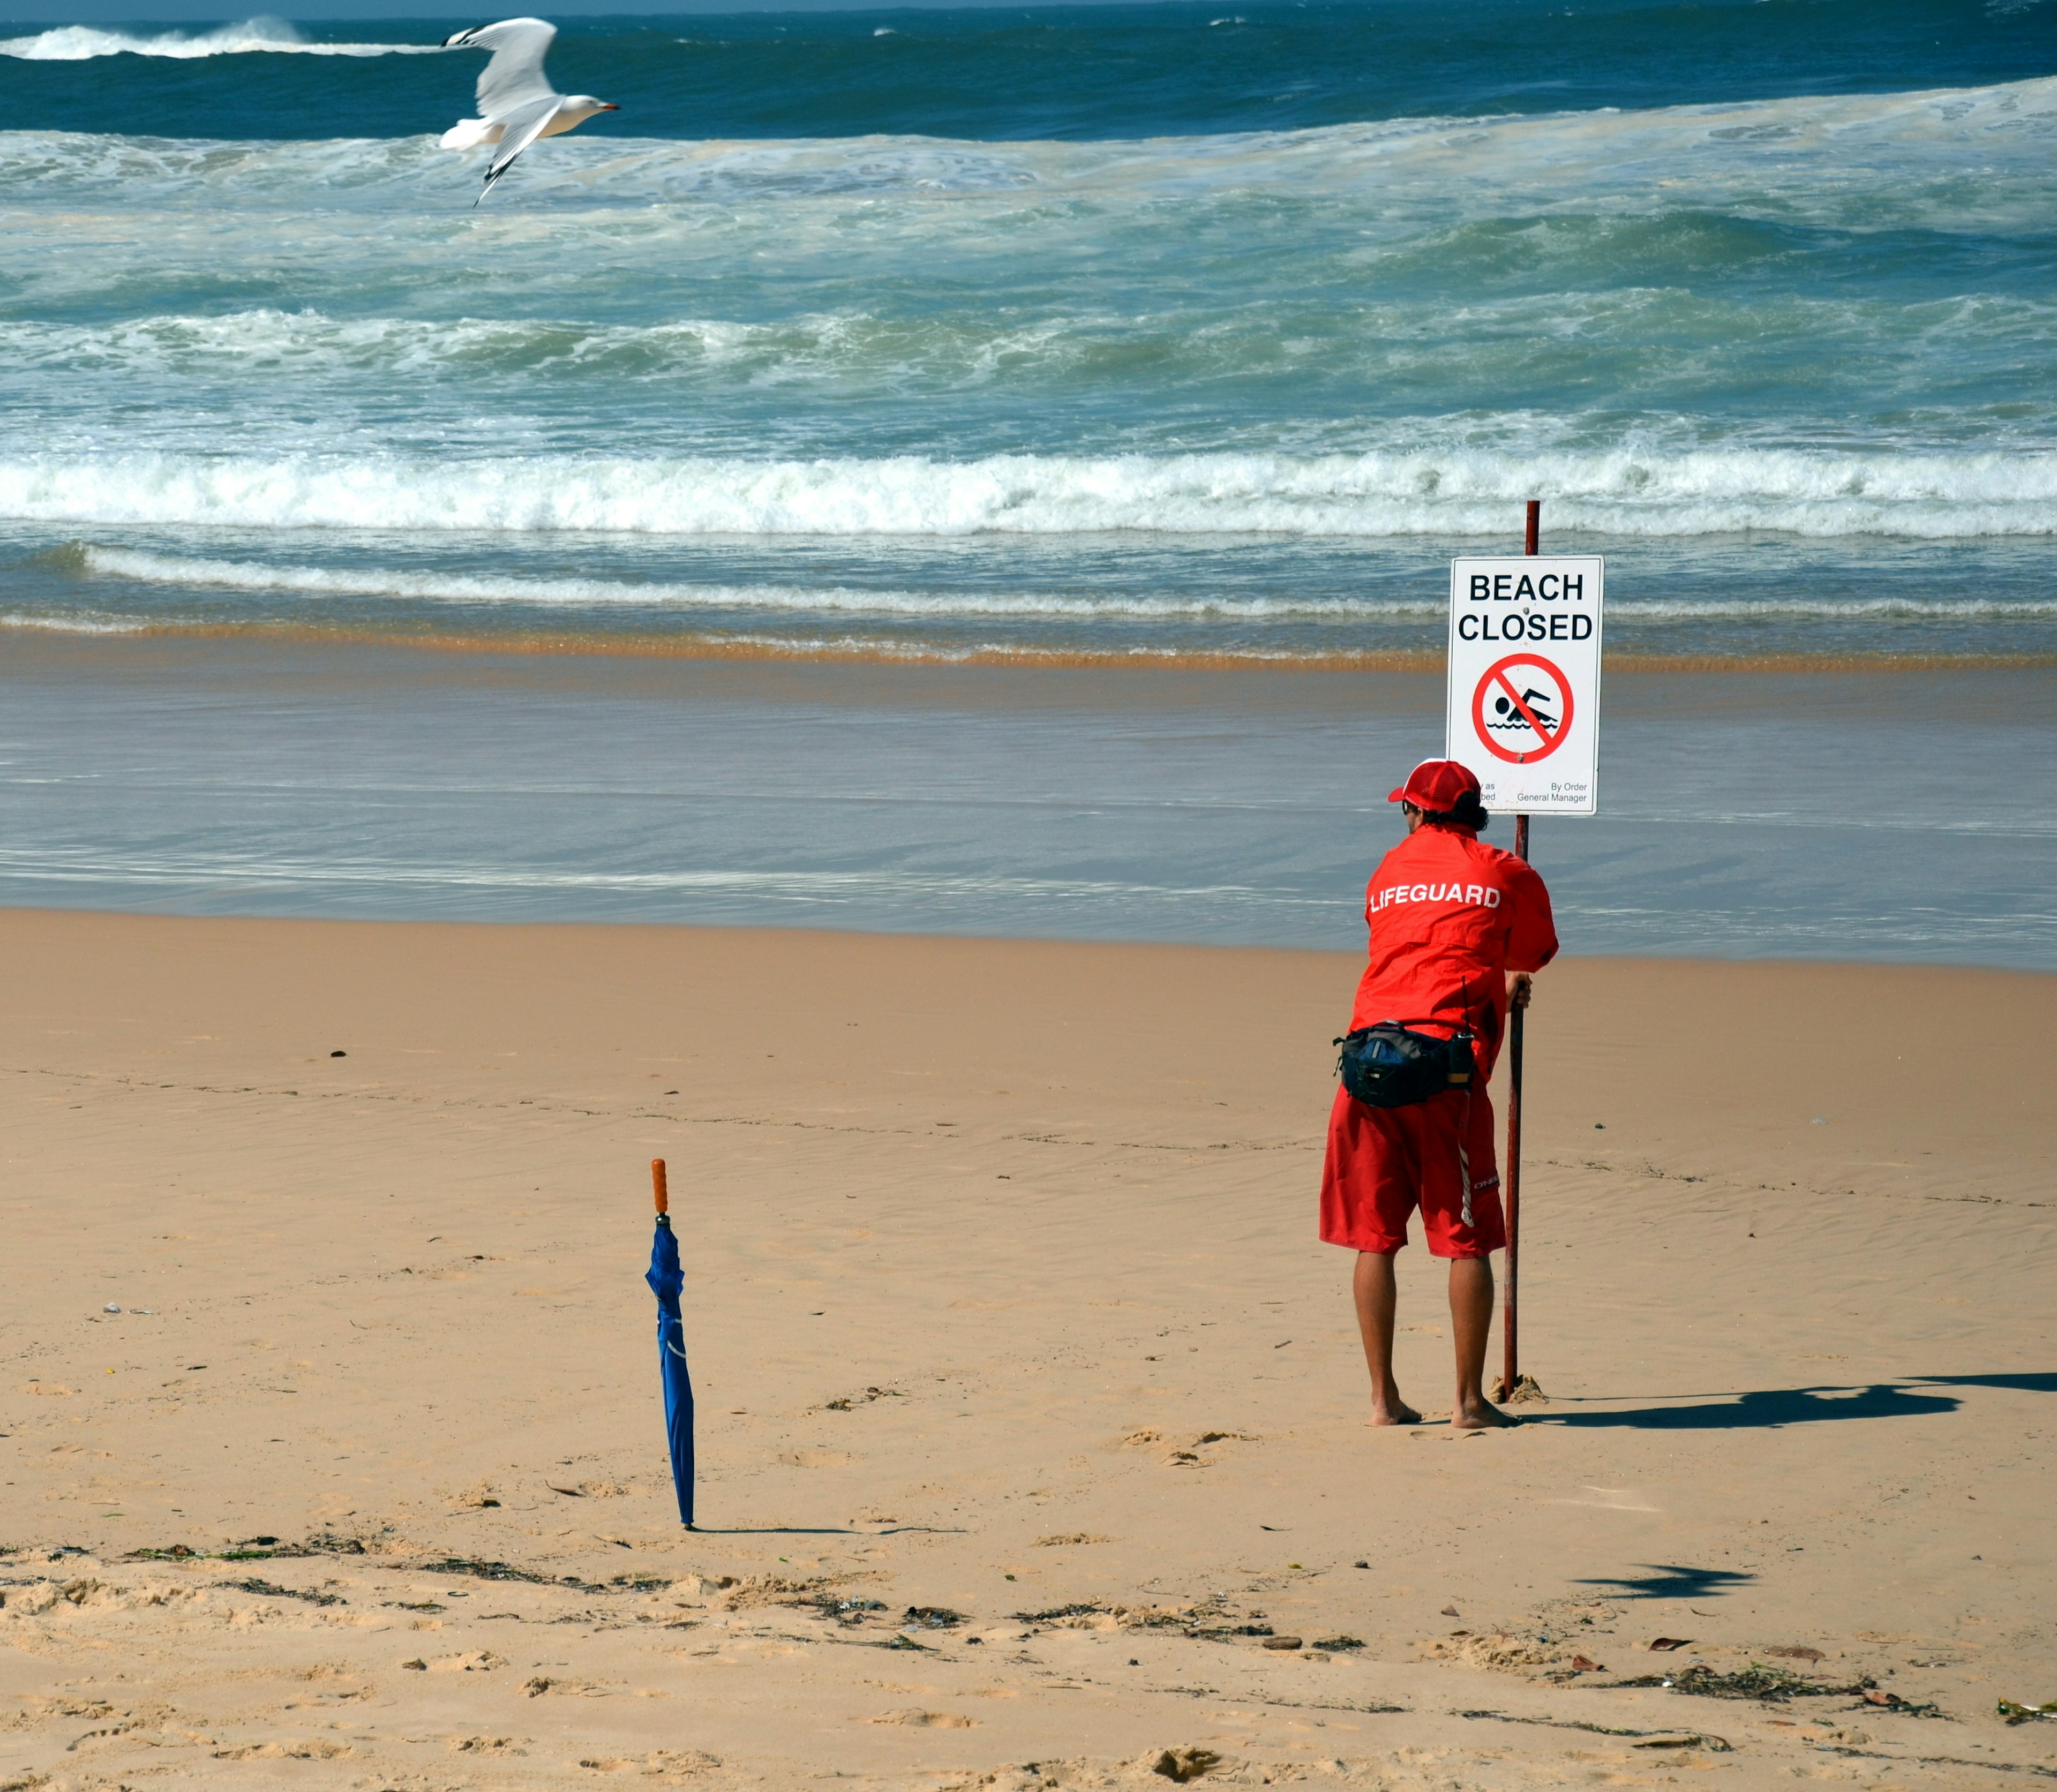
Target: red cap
[1437,786]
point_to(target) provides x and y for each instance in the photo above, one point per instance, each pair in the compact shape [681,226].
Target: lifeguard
[1456,929]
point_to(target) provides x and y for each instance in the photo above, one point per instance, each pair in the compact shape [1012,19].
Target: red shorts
[1384,1162]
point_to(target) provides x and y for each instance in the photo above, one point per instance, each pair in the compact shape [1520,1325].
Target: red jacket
[1449,917]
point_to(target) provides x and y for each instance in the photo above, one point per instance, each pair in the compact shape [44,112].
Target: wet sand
[1005,1307]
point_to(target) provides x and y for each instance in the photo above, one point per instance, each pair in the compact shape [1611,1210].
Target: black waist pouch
[1389,1066]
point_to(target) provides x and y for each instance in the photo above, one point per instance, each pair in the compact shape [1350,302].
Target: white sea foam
[46,623]
[81,43]
[62,865]
[1949,159]
[1444,492]
[1372,345]
[313,343]
[1850,609]
[617,595]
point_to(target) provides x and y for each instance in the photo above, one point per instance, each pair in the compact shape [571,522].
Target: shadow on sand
[822,1530]
[1767,1408]
[1670,1581]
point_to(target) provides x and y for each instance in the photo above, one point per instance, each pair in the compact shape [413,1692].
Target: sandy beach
[1031,1408]
[849,627]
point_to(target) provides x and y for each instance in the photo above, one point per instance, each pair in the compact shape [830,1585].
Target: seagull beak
[610,108]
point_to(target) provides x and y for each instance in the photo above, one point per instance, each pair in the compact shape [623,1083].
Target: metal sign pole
[1510,1332]
[1521,709]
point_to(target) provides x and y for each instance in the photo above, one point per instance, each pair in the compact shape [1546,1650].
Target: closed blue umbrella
[667,1281]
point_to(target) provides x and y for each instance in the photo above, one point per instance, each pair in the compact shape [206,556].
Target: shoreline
[661,648]
[1815,816]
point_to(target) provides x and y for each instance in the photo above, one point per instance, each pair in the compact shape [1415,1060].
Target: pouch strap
[1465,1158]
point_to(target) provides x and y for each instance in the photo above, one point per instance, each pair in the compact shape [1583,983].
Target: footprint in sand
[664,1763]
[475,1661]
[314,1748]
[1181,1764]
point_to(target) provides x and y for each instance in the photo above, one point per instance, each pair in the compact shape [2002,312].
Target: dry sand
[1004,1302]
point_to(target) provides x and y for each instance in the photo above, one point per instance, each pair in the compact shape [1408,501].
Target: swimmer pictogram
[1522,708]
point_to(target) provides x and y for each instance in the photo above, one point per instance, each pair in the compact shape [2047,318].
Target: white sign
[1524,703]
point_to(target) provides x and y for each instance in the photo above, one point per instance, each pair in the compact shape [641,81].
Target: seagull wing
[519,128]
[514,80]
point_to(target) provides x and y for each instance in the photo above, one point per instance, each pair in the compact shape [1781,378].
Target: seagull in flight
[516,104]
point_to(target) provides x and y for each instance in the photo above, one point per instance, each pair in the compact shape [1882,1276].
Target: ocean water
[1167,337]
[1746,815]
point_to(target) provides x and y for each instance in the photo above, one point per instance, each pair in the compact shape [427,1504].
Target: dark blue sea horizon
[1065,72]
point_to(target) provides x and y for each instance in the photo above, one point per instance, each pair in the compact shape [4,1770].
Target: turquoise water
[1166,334]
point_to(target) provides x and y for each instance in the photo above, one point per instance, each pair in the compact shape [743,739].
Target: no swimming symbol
[1522,710]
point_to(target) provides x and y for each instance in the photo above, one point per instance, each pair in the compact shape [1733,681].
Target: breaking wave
[1946,158]
[378,582]
[1455,491]
[465,588]
[81,43]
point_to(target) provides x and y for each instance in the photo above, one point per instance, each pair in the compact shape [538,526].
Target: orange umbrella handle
[657,1187]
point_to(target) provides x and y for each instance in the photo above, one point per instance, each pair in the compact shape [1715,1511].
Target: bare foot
[1394,1412]
[1481,1415]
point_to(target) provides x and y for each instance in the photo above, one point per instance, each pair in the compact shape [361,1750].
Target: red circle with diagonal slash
[1496,674]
